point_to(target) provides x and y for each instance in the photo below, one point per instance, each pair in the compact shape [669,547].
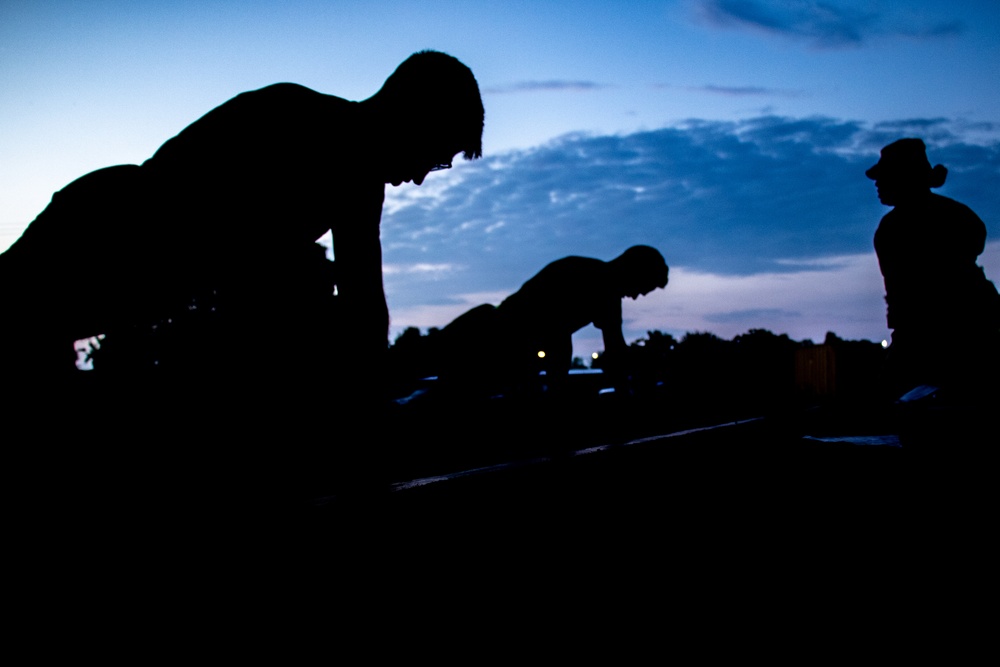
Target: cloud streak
[745,91]
[546,86]
[735,91]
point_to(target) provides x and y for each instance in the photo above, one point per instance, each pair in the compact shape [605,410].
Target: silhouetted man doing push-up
[542,316]
[228,212]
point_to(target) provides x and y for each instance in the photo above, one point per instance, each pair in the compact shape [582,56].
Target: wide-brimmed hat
[907,158]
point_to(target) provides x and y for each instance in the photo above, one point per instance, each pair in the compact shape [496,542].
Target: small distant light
[541,354]
[594,355]
[885,344]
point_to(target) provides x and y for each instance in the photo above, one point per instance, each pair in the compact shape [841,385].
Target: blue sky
[732,135]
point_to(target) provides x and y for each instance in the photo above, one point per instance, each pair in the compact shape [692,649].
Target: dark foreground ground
[704,487]
[594,463]
[709,515]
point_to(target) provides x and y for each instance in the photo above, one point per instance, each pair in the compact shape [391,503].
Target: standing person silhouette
[943,311]
[233,206]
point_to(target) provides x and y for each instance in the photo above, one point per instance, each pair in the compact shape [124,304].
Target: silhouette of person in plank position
[531,330]
[225,217]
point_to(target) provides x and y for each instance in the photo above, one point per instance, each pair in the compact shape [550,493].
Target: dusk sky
[733,135]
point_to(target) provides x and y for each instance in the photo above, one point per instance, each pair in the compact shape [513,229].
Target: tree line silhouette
[757,369]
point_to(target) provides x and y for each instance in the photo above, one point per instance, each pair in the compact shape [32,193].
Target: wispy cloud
[753,314]
[735,91]
[546,86]
[423,268]
[828,24]
[745,91]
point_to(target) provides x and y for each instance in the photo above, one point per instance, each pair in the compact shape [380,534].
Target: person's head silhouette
[427,111]
[903,172]
[638,271]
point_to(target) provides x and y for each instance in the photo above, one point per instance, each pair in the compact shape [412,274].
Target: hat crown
[904,157]
[906,151]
